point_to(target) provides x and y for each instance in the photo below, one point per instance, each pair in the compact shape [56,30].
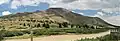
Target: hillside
[51,15]
[75,18]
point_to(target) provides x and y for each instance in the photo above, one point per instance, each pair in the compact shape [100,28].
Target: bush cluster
[12,33]
[53,31]
[105,38]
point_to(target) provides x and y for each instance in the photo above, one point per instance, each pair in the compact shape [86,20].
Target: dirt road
[65,37]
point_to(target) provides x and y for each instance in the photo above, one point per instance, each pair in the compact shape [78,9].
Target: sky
[108,10]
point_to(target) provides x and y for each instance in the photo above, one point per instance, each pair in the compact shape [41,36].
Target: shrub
[105,38]
[48,32]
[65,24]
[12,33]
[65,31]
[72,25]
[53,31]
[60,25]
[38,25]
[21,27]
[1,36]
[46,25]
[24,24]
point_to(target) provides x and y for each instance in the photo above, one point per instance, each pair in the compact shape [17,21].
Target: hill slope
[75,18]
[52,15]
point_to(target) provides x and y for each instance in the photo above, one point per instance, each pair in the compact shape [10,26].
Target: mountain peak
[58,9]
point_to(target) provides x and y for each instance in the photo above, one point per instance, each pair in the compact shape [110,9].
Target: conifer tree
[38,25]
[65,24]
[60,25]
[24,24]
[72,25]
[46,25]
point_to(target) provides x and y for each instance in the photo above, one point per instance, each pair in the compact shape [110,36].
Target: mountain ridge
[61,15]
[80,16]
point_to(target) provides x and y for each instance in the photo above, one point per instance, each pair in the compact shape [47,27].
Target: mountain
[75,18]
[52,15]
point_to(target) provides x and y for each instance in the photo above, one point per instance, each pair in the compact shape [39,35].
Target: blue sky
[6,7]
[87,12]
[105,9]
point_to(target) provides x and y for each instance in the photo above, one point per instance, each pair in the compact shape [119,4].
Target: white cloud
[78,4]
[17,3]
[113,20]
[6,13]
[86,4]
[110,19]
[81,13]
[70,4]
[111,9]
[78,13]
[99,14]
[3,1]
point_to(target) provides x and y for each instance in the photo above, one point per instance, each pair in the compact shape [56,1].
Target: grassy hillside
[75,18]
[56,15]
[53,21]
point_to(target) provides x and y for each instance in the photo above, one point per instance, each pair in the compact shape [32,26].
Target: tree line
[59,25]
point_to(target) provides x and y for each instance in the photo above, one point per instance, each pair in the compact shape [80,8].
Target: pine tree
[92,27]
[77,26]
[28,24]
[24,24]
[72,25]
[38,25]
[86,26]
[65,24]
[60,25]
[46,25]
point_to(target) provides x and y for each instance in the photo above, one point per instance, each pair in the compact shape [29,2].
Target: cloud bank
[17,3]
[69,4]
[113,20]
[3,1]
[6,13]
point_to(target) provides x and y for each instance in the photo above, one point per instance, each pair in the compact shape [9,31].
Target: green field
[105,38]
[18,34]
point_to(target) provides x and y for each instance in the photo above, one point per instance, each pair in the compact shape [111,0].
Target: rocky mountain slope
[51,15]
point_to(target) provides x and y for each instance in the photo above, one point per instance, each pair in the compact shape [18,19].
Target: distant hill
[54,15]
